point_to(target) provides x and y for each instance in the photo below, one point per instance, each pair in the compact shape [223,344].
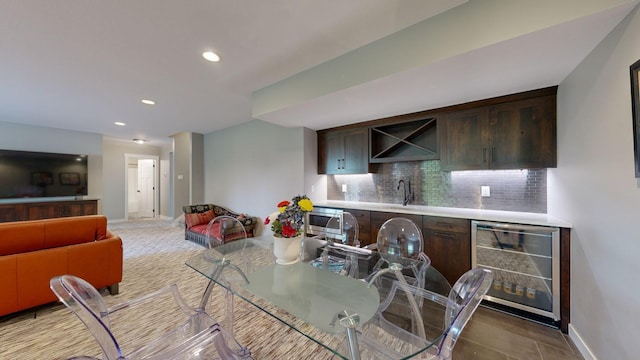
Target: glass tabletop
[308,299]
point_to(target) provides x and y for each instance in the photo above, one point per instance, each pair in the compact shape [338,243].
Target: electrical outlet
[485,191]
[344,187]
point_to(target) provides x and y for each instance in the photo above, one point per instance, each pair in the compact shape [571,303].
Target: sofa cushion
[194,219]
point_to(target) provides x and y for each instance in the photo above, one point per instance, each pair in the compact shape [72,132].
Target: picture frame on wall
[635,111]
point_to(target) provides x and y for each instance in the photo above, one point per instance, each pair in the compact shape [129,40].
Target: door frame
[156,176]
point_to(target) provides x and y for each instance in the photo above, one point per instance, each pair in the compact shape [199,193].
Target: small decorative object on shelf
[287,225]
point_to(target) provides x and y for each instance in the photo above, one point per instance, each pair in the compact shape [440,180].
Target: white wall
[594,188]
[251,167]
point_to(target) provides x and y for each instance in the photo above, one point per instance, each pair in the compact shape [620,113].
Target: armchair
[198,336]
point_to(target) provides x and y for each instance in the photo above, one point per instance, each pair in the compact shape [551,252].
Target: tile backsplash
[510,190]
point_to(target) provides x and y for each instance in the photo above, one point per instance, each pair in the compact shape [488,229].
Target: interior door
[133,198]
[146,180]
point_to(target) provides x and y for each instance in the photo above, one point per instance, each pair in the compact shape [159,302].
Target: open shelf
[407,141]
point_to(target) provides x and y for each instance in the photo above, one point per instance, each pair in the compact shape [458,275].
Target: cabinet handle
[493,154]
[444,235]
[343,164]
[484,154]
[338,164]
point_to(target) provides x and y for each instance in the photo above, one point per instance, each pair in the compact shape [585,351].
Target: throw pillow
[198,218]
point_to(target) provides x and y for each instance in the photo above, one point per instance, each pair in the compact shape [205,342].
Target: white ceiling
[82,65]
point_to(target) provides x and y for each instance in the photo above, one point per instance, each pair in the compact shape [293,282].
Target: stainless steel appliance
[316,221]
[525,261]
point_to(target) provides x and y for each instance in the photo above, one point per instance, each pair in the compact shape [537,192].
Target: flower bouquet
[288,221]
[287,225]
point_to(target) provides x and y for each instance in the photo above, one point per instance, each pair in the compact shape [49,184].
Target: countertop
[473,214]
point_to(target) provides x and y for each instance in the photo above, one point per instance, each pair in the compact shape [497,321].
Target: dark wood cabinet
[447,242]
[463,140]
[46,210]
[379,218]
[404,141]
[364,225]
[523,134]
[343,152]
[516,134]
[12,212]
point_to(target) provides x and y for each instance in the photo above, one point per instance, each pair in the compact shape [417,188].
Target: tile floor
[493,335]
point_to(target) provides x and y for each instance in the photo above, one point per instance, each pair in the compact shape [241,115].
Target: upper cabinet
[516,131]
[404,141]
[515,134]
[343,151]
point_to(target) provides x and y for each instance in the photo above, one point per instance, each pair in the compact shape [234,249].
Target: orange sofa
[32,252]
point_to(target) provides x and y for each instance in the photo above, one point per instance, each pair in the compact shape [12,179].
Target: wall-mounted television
[27,174]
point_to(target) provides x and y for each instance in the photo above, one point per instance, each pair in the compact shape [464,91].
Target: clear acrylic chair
[399,244]
[187,333]
[218,230]
[342,251]
[396,332]
[217,234]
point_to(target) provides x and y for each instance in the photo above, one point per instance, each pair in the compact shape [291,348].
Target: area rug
[154,256]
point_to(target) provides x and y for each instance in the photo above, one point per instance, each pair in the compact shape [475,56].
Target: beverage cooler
[525,261]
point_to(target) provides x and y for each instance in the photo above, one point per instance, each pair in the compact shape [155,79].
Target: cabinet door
[364,225]
[13,212]
[447,242]
[523,134]
[334,152]
[450,252]
[464,140]
[356,152]
[345,152]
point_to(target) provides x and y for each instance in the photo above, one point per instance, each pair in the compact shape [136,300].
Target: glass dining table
[324,306]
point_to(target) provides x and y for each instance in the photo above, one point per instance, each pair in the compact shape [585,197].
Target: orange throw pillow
[198,218]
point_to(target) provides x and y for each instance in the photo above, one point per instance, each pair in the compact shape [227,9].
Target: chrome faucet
[408,194]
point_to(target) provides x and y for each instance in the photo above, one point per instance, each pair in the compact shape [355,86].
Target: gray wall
[113,197]
[251,167]
[595,189]
[188,175]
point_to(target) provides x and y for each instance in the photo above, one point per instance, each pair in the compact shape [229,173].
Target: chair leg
[114,289]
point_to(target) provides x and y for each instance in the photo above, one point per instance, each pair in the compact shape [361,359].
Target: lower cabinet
[364,225]
[47,210]
[447,242]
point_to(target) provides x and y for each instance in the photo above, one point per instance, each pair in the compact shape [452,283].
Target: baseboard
[110,221]
[580,344]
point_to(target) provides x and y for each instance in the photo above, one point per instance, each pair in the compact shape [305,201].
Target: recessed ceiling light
[139,141]
[119,123]
[148,102]
[211,56]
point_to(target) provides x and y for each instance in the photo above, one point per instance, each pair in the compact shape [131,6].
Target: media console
[47,209]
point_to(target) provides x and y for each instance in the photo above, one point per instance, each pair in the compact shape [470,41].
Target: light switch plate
[485,191]
[344,187]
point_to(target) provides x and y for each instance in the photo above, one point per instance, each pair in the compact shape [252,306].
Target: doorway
[142,186]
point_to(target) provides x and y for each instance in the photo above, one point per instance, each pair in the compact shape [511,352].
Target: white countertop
[473,214]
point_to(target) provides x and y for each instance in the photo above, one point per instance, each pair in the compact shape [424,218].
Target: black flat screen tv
[27,174]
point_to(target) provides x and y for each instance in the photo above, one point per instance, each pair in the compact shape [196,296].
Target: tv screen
[27,174]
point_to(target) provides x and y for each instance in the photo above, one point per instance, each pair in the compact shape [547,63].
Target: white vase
[286,250]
